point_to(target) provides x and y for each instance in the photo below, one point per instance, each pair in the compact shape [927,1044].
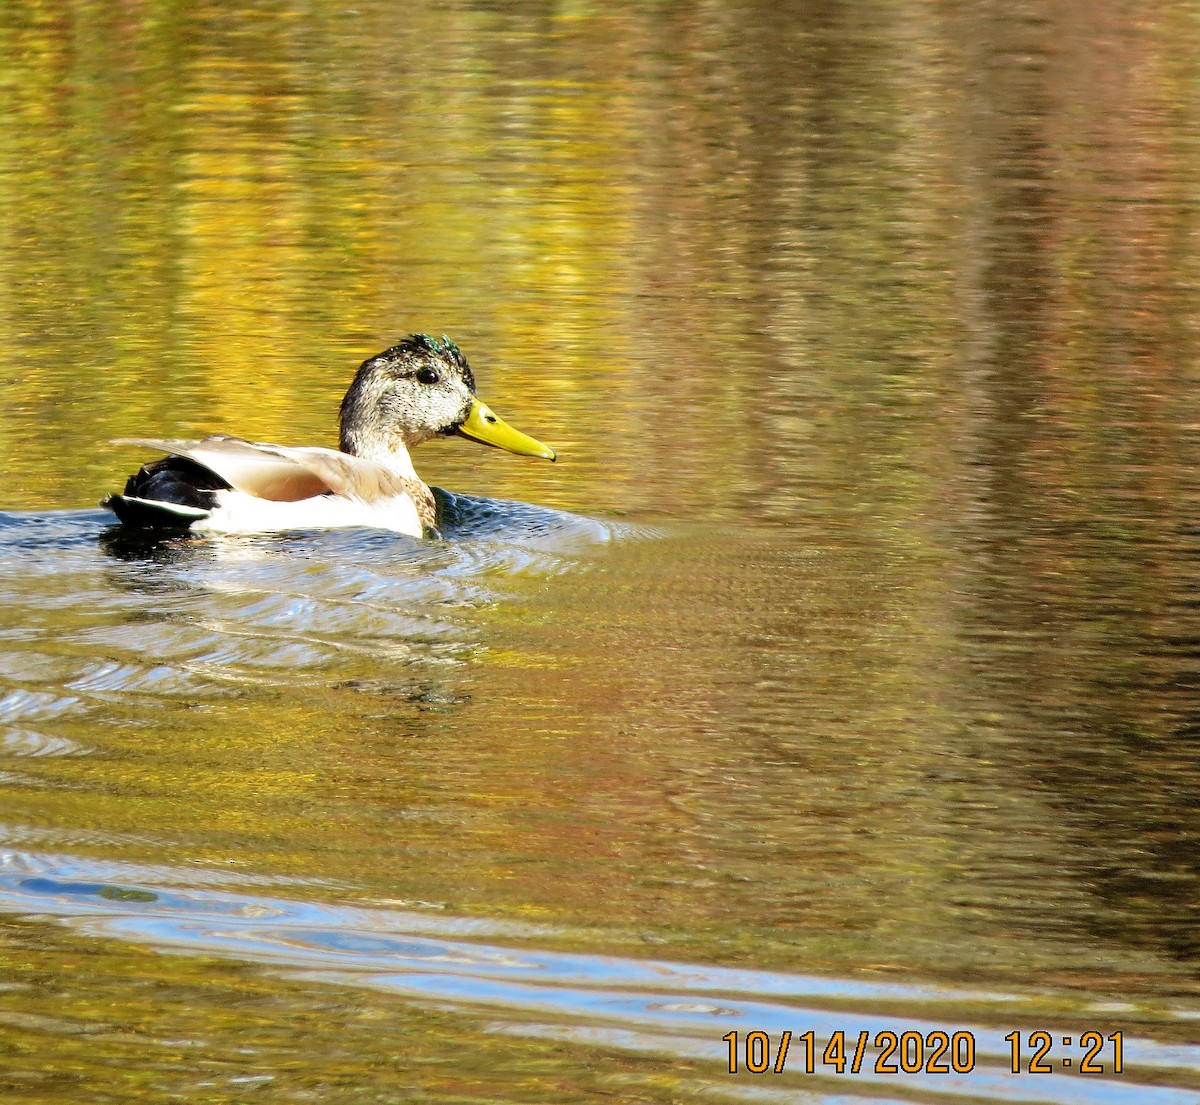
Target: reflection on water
[665,1008]
[182,616]
[874,326]
[351,711]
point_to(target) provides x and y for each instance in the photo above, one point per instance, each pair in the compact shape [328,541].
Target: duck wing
[284,473]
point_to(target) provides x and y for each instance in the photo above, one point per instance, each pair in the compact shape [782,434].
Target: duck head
[416,390]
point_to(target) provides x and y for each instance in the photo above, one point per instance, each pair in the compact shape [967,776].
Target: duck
[418,389]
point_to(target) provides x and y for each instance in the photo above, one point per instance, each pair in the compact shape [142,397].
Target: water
[841,676]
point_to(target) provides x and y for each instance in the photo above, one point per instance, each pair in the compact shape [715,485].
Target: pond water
[842,677]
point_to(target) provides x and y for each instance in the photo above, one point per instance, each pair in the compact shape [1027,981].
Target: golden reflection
[895,302]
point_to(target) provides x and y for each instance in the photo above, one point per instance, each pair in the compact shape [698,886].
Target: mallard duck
[399,398]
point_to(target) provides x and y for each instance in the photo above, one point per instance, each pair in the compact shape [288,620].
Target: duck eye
[427,376]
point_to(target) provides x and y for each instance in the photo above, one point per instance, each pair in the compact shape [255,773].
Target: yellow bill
[482,425]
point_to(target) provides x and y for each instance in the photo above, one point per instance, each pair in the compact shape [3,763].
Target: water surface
[843,674]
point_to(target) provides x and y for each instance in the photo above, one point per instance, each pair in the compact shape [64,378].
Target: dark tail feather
[152,514]
[170,493]
[177,480]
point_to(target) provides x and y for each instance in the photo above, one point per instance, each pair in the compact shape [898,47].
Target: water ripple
[22,705]
[29,742]
[651,1007]
[150,618]
[111,676]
